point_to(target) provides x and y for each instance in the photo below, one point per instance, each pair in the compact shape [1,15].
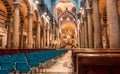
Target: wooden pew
[75,52]
[105,63]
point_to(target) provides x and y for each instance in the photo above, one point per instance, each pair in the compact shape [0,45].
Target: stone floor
[63,66]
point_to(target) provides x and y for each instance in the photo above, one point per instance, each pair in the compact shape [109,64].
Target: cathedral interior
[82,34]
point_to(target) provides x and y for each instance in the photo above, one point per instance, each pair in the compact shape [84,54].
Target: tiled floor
[63,66]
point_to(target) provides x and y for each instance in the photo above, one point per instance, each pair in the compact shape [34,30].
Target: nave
[40,30]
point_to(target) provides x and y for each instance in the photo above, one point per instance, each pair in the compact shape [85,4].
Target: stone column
[44,37]
[30,31]
[105,36]
[58,38]
[48,36]
[113,23]
[78,34]
[85,30]
[38,35]
[21,36]
[41,42]
[82,36]
[90,26]
[9,24]
[78,39]
[97,25]
[16,24]
[53,36]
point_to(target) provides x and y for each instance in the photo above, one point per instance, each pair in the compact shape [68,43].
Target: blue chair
[21,55]
[13,56]
[23,67]
[9,66]
[29,55]
[21,60]
[9,60]
[1,60]
[33,62]
[4,71]
[5,56]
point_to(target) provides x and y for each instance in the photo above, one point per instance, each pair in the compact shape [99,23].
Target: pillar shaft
[48,36]
[78,34]
[50,39]
[113,24]
[78,37]
[21,37]
[30,31]
[42,45]
[90,28]
[83,36]
[44,38]
[97,26]
[85,31]
[9,34]
[105,37]
[58,39]
[16,24]
[38,35]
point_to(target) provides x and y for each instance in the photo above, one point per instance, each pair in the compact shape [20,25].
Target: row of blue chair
[25,62]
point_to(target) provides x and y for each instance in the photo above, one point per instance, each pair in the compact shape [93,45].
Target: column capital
[30,14]
[17,4]
[85,18]
[39,21]
[104,25]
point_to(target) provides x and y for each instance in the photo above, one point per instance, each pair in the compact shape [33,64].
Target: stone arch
[8,7]
[66,15]
[28,4]
[21,17]
[26,7]
[37,14]
[67,12]
[35,21]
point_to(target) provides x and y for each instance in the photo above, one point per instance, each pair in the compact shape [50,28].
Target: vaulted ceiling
[51,4]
